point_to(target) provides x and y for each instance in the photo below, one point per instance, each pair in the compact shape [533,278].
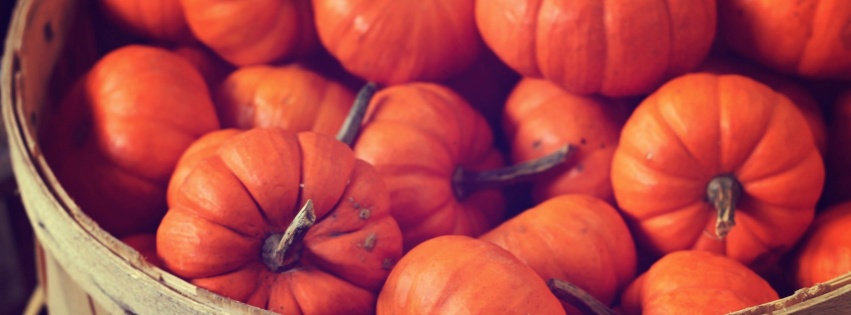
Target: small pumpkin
[540,117]
[293,222]
[806,38]
[399,41]
[253,32]
[720,163]
[418,136]
[118,134]
[695,282]
[576,238]
[825,251]
[158,20]
[290,97]
[454,274]
[615,48]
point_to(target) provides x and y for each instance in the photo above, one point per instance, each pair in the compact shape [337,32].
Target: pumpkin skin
[785,85]
[577,238]
[455,274]
[253,32]
[213,235]
[290,97]
[417,135]
[160,20]
[702,127]
[622,48]
[823,253]
[807,38]
[399,41]
[695,282]
[119,133]
[540,117]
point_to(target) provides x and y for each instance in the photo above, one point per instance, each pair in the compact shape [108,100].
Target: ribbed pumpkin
[420,136]
[540,117]
[290,97]
[615,48]
[807,38]
[234,226]
[399,41]
[454,274]
[118,135]
[825,252]
[695,282]
[720,163]
[253,32]
[575,238]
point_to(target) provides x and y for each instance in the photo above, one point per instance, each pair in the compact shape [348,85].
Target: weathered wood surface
[87,271]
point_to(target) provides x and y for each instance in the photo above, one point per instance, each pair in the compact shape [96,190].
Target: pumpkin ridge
[670,19]
[536,40]
[762,132]
[598,86]
[799,58]
[772,175]
[663,122]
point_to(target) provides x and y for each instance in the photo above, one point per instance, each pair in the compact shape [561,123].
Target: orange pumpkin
[420,136]
[455,274]
[825,251]
[786,85]
[720,163]
[577,238]
[616,48]
[245,237]
[399,41]
[695,282]
[807,38]
[159,20]
[290,97]
[118,134]
[253,32]
[540,117]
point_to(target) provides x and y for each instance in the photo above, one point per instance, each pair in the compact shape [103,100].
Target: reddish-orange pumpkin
[455,274]
[695,282]
[253,32]
[289,97]
[575,238]
[118,134]
[418,136]
[808,38]
[540,117]
[399,41]
[720,163]
[236,193]
[160,20]
[785,85]
[825,251]
[616,48]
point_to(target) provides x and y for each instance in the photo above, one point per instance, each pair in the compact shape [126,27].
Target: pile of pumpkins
[509,156]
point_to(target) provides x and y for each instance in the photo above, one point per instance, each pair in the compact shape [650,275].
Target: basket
[83,269]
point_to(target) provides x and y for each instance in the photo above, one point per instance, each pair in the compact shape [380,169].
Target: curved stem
[277,246]
[464,182]
[578,298]
[353,121]
[724,192]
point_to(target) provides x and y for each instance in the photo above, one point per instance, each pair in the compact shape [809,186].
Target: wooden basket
[83,269]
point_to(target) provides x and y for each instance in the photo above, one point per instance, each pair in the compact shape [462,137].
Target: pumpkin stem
[578,298]
[724,192]
[353,121]
[277,246]
[464,182]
